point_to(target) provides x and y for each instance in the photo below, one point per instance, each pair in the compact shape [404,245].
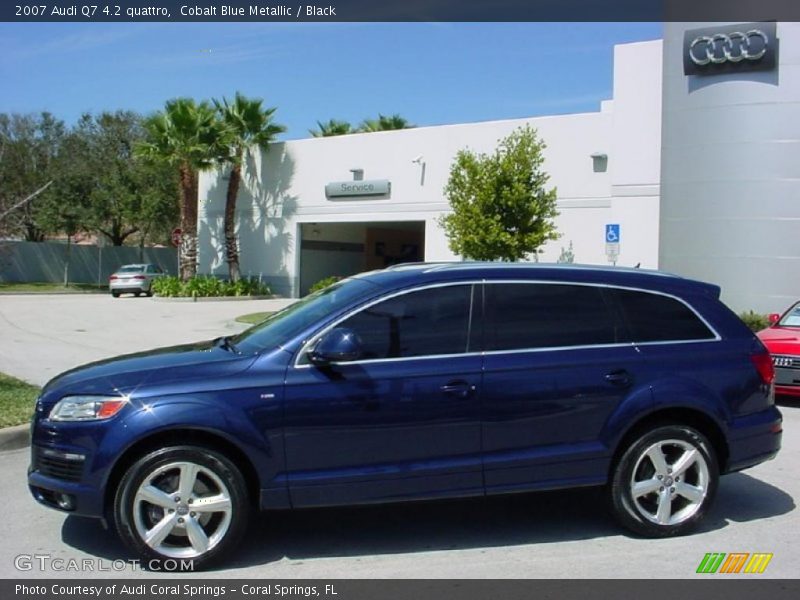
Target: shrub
[167,286]
[755,321]
[567,255]
[206,286]
[248,287]
[323,283]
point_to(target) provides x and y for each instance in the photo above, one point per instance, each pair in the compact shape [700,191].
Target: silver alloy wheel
[182,510]
[669,482]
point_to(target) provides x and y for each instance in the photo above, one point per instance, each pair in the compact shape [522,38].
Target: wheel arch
[677,415]
[182,436]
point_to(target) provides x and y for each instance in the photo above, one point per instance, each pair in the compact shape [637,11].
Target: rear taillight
[113,278]
[138,277]
[763,363]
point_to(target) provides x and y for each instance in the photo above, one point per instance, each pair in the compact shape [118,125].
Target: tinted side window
[656,318]
[428,322]
[526,315]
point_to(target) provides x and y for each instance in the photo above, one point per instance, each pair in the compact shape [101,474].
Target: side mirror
[774,318]
[338,345]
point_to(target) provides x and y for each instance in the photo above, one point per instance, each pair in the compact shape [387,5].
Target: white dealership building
[692,167]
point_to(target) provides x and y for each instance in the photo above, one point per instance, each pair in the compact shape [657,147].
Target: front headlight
[87,408]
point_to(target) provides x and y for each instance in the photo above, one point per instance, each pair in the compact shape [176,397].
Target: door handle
[458,389]
[620,377]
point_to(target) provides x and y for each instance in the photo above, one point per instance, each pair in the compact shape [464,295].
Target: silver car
[134,279]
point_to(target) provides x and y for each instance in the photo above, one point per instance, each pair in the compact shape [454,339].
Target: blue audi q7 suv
[417,382]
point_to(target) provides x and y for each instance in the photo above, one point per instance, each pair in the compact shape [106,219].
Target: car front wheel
[665,482]
[183,503]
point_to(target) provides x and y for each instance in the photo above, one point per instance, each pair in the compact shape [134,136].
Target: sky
[430,73]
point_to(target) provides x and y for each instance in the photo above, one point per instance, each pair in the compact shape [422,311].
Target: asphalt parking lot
[550,535]
[43,335]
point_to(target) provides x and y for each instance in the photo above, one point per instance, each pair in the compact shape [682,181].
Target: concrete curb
[14,438]
[216,298]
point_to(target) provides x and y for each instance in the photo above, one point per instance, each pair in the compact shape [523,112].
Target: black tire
[115,294]
[137,294]
[216,476]
[682,497]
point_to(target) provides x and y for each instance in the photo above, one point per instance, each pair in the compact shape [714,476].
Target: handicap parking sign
[612,233]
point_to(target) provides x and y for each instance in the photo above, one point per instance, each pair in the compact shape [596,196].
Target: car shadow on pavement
[743,498]
[89,536]
[569,515]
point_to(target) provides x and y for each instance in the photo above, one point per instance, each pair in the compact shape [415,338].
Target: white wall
[286,187]
[731,158]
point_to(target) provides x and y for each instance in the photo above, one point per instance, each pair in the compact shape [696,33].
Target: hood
[125,374]
[781,340]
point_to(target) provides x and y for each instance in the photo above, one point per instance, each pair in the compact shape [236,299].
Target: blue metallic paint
[384,431]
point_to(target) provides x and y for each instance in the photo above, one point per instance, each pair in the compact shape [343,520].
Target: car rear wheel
[665,482]
[115,294]
[183,503]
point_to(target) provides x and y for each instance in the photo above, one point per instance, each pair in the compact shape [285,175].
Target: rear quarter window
[657,318]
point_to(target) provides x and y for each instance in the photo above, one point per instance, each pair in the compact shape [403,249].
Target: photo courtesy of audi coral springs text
[417,382]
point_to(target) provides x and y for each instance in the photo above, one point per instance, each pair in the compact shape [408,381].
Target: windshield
[792,317]
[281,327]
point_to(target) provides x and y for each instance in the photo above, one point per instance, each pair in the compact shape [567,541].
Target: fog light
[65,502]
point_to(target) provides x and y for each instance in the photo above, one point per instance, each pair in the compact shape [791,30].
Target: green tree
[188,136]
[246,125]
[125,188]
[331,128]
[501,209]
[29,148]
[65,210]
[384,123]
[158,204]
[92,181]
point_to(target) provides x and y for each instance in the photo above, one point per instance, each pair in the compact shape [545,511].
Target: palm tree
[188,136]
[384,123]
[246,124]
[331,128]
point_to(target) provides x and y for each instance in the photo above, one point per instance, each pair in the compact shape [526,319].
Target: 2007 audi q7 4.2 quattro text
[418,382]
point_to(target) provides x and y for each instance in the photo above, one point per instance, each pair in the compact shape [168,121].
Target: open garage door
[344,249]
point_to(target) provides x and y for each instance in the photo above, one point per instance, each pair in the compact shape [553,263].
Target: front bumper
[786,390]
[57,481]
[787,379]
[68,470]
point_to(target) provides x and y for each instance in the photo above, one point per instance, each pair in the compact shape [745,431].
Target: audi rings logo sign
[726,49]
[733,47]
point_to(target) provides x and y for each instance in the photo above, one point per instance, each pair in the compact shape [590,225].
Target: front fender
[234,424]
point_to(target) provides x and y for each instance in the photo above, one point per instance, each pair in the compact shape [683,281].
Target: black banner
[446,589]
[121,11]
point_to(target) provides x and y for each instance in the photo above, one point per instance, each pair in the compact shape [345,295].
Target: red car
[782,339]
